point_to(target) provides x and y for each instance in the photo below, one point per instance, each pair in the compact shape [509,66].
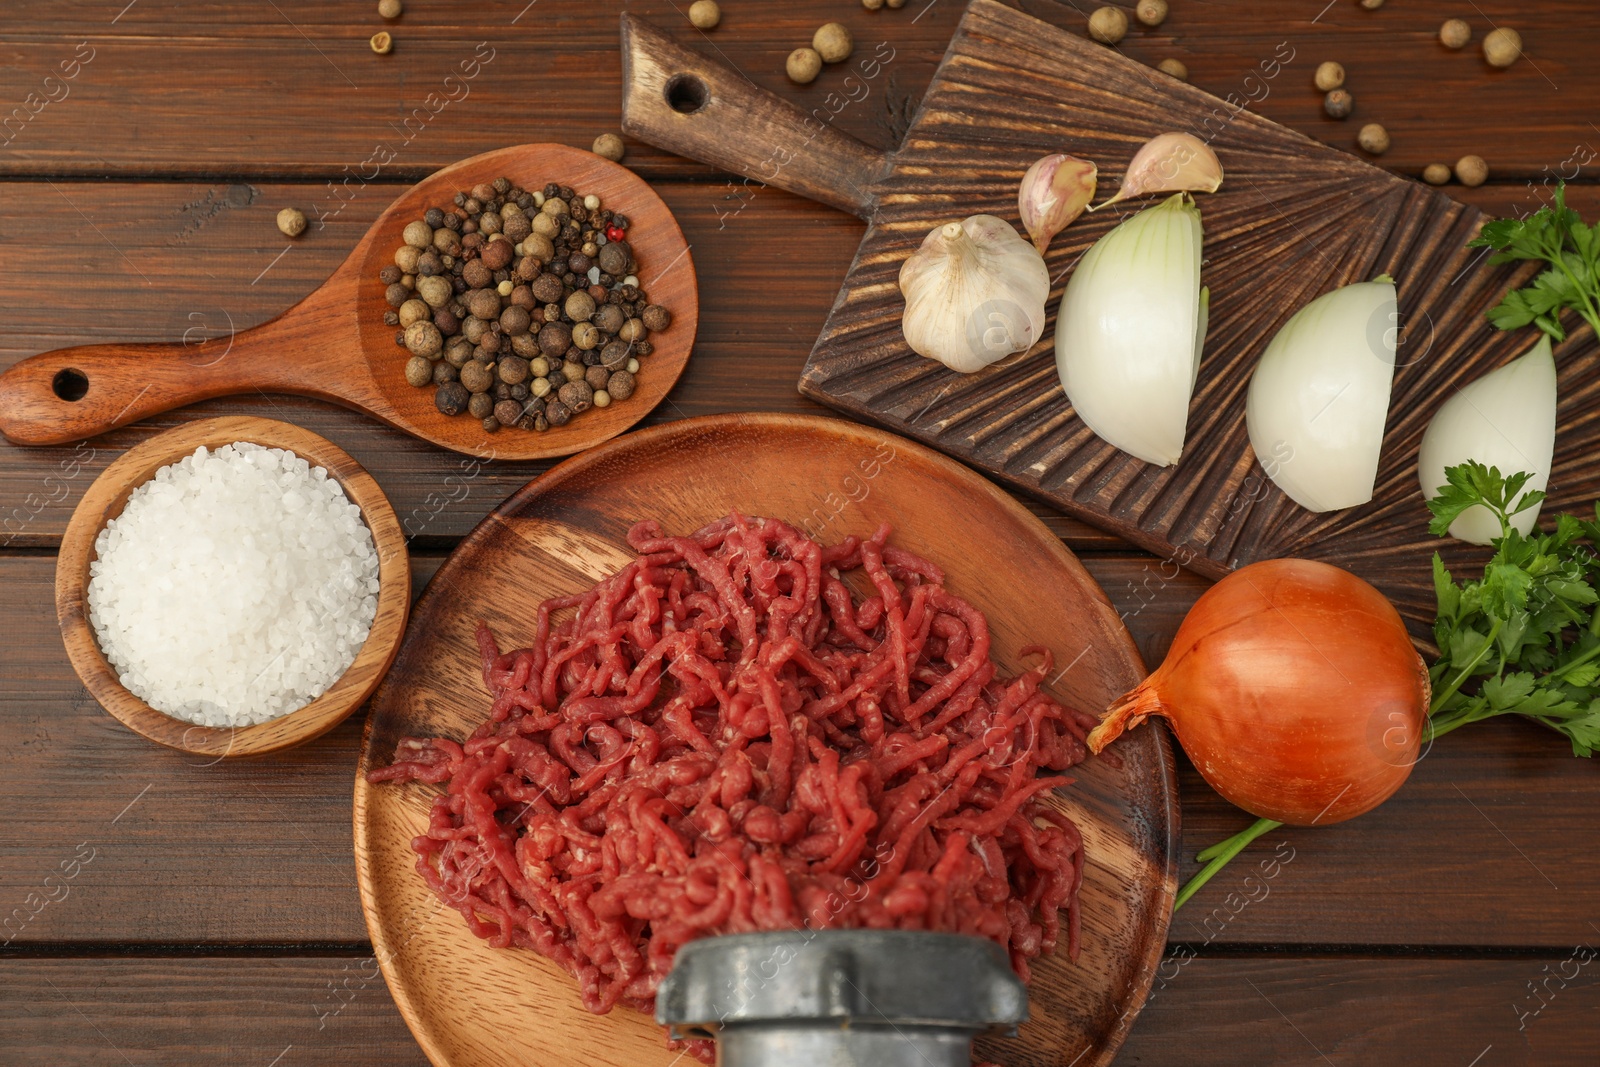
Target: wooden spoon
[334,346]
[104,501]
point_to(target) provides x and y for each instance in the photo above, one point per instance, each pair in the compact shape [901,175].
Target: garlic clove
[1170,163]
[975,294]
[1054,191]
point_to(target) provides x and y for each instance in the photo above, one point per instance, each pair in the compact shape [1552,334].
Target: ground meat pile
[719,739]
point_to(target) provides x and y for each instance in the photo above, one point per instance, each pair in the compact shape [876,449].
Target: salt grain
[236,586]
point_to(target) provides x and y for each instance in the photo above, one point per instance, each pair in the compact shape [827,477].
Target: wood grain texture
[104,502]
[331,1011]
[566,531]
[334,346]
[297,91]
[1443,870]
[1010,88]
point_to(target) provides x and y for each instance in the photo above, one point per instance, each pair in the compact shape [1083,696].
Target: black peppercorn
[520,391]
[433,217]
[459,284]
[502,185]
[592,358]
[630,293]
[460,199]
[400,338]
[502,391]
[620,221]
[391,318]
[451,398]
[569,280]
[444,372]
[643,348]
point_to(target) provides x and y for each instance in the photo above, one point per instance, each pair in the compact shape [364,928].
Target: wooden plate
[104,501]
[471,1005]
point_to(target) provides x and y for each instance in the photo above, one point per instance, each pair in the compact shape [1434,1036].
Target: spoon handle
[73,393]
[697,107]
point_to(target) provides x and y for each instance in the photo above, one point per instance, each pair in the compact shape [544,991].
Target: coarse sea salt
[236,586]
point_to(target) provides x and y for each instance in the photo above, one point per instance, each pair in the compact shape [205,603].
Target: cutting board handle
[696,107]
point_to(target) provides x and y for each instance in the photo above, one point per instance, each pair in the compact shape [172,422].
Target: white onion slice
[1505,419]
[1320,395]
[1130,330]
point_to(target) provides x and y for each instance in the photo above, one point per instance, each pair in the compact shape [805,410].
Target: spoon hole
[70,384]
[687,93]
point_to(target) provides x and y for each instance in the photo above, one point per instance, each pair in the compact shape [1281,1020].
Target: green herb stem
[1465,672]
[1219,855]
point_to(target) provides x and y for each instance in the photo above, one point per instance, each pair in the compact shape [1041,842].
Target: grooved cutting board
[1294,219]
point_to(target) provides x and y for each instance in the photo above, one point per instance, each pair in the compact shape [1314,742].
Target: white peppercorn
[602,398]
[1455,33]
[435,290]
[291,222]
[1373,138]
[1472,171]
[1436,174]
[1502,47]
[540,386]
[414,310]
[632,368]
[803,66]
[389,9]
[419,371]
[1151,12]
[1174,68]
[833,42]
[1108,25]
[704,14]
[1329,76]
[606,146]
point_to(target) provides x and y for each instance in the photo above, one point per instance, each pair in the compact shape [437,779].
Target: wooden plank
[334,1010]
[1459,857]
[307,96]
[189,262]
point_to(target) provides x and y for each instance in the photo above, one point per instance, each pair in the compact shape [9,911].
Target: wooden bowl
[104,501]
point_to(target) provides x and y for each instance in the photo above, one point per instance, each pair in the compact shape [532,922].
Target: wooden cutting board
[1294,219]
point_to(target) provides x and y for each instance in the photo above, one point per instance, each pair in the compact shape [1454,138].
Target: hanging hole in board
[687,93]
[70,384]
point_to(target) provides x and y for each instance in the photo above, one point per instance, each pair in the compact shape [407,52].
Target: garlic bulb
[1170,163]
[1055,191]
[1505,419]
[974,292]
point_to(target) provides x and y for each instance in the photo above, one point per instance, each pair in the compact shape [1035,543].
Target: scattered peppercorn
[1472,171]
[803,66]
[833,42]
[1455,33]
[1174,68]
[1373,138]
[1329,76]
[1151,12]
[1436,174]
[872,5]
[292,222]
[1372,5]
[704,14]
[1108,25]
[389,9]
[498,307]
[608,146]
[1502,47]
[1338,104]
[383,44]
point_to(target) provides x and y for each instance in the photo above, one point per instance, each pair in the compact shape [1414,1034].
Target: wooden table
[161,910]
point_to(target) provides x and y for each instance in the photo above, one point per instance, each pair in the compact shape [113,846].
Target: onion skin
[1294,689]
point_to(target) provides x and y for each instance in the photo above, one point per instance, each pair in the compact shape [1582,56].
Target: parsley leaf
[1524,638]
[1555,235]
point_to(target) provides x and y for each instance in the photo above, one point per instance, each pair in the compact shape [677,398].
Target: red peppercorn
[615,233]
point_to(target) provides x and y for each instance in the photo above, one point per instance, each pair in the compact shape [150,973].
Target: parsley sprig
[1524,639]
[1555,235]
